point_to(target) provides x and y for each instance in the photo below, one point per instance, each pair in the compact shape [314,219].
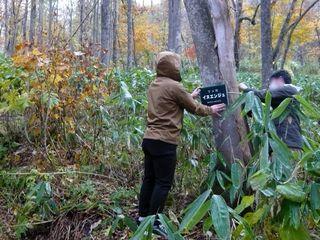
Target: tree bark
[106,30]
[130,41]
[40,23]
[266,42]
[174,36]
[33,15]
[115,32]
[6,23]
[213,39]
[24,21]
[237,31]
[50,21]
[81,16]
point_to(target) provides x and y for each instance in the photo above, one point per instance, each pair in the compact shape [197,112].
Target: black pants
[159,166]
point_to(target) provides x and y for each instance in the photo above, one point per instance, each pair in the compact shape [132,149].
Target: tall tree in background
[13,21]
[174,26]
[266,42]
[81,17]
[106,31]
[115,54]
[213,39]
[130,46]
[25,21]
[50,22]
[6,22]
[33,15]
[40,23]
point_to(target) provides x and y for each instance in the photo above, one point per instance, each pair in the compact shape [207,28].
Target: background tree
[266,42]
[32,26]
[174,35]
[130,40]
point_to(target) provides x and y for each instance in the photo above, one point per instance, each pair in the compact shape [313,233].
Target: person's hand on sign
[216,109]
[196,92]
[242,86]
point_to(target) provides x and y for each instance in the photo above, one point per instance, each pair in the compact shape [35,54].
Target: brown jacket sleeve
[186,101]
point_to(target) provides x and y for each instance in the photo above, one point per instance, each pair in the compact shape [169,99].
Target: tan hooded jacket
[167,100]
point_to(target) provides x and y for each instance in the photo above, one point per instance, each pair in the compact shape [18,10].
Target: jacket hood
[168,65]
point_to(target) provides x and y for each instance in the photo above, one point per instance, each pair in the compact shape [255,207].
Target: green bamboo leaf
[144,231]
[195,212]
[220,217]
[170,228]
[236,174]
[315,196]
[264,154]
[266,110]
[291,192]
[291,233]
[281,108]
[308,108]
[246,201]
[234,106]
[259,180]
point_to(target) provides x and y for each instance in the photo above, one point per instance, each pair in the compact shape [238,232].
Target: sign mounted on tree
[214,95]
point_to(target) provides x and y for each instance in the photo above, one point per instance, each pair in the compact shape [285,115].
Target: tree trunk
[115,32]
[213,39]
[81,14]
[283,31]
[130,42]
[174,36]
[50,21]
[33,15]
[6,23]
[40,23]
[266,42]
[237,31]
[106,30]
[24,21]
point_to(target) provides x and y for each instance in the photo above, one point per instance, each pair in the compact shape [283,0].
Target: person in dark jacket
[281,87]
[167,100]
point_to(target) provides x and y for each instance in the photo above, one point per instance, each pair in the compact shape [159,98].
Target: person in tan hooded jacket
[167,100]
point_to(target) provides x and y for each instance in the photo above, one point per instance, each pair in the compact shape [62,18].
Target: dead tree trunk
[266,42]
[130,44]
[213,38]
[33,15]
[174,35]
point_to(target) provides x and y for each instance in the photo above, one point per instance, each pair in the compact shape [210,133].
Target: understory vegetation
[71,163]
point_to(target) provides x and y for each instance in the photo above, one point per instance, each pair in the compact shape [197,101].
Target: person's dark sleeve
[278,94]
[186,101]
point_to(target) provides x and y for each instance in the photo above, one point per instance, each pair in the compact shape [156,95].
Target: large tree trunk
[130,46]
[33,15]
[213,39]
[266,42]
[174,35]
[106,31]
[24,21]
[40,23]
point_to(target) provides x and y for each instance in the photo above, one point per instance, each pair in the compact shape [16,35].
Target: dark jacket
[167,100]
[289,129]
